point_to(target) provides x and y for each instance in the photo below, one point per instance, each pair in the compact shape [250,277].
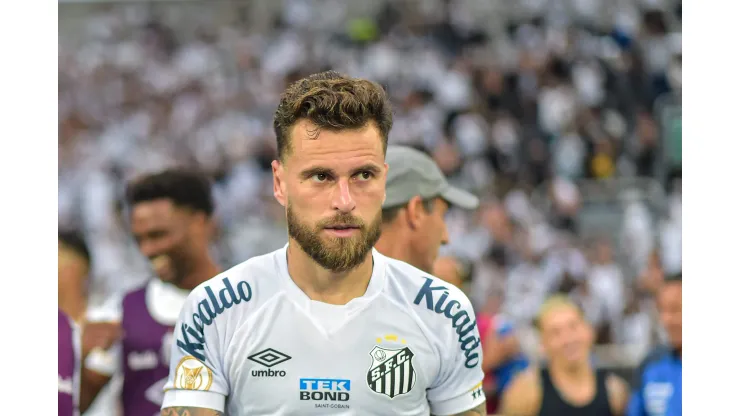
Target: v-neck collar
[374,288]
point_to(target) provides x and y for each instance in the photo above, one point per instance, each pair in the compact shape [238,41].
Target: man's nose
[342,200]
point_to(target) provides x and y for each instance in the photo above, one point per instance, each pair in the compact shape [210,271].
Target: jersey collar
[164,301]
[374,288]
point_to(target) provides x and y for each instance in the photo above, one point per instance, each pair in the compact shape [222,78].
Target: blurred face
[72,268]
[431,233]
[566,336]
[168,236]
[670,308]
[333,187]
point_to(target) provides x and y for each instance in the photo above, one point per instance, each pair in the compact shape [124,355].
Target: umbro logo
[269,358]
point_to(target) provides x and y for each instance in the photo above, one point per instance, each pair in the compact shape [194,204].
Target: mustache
[342,219]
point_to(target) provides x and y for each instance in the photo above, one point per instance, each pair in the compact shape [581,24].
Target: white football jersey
[250,342]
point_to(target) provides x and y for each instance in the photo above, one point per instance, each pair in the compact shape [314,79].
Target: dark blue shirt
[658,385]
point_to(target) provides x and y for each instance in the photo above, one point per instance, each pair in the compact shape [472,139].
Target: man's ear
[278,182]
[415,212]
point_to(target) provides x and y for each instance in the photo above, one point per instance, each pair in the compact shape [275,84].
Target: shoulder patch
[192,374]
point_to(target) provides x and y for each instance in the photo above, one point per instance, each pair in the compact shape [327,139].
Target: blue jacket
[658,385]
[506,372]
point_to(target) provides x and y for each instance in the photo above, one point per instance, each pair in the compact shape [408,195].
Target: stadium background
[563,115]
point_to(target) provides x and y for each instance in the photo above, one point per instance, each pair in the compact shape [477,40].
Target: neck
[324,285]
[204,269]
[74,304]
[395,245]
[582,372]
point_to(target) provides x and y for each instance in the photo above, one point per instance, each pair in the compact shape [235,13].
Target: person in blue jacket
[658,387]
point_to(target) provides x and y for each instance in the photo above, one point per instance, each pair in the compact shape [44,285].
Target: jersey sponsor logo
[144,360]
[329,390]
[269,358]
[391,371]
[193,338]
[657,396]
[462,322]
[192,374]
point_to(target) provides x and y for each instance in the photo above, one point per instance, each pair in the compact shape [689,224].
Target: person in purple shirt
[171,220]
[68,366]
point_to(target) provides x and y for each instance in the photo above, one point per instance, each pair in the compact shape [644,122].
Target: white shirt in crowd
[250,342]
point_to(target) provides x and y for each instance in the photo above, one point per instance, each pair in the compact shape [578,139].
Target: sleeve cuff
[458,404]
[194,398]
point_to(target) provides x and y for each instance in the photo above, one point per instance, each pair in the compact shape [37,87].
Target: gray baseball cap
[412,173]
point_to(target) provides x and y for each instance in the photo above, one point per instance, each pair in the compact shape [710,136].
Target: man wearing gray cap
[417,198]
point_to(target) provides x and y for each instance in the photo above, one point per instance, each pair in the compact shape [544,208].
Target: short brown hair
[332,101]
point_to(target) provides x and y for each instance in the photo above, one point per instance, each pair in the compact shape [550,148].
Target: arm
[101,359]
[190,411]
[197,379]
[618,392]
[479,410]
[524,395]
[498,349]
[458,386]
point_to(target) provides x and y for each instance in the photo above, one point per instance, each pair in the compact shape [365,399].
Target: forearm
[497,351]
[91,384]
[190,411]
[479,410]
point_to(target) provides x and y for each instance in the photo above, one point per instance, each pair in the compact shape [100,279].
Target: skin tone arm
[479,410]
[524,396]
[497,350]
[190,411]
[618,392]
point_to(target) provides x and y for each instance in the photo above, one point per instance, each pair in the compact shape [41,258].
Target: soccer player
[171,221]
[658,390]
[417,199]
[327,325]
[92,321]
[569,385]
[68,366]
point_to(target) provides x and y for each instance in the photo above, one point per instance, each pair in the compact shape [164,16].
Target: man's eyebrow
[370,167]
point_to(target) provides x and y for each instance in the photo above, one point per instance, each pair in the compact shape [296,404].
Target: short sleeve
[196,377]
[459,385]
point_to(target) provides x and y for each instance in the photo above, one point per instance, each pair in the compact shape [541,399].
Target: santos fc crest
[391,372]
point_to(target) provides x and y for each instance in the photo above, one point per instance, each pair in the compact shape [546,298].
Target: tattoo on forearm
[190,411]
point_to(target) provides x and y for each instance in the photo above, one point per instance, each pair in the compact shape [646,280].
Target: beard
[335,254]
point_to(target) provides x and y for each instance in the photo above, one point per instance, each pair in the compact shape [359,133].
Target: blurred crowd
[548,110]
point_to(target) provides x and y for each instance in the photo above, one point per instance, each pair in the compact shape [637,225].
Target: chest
[662,394]
[147,344]
[377,362]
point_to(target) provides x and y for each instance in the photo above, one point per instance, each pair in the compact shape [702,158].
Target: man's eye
[365,175]
[320,177]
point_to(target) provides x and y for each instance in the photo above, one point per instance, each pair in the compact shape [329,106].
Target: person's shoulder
[441,307]
[655,356]
[425,292]
[524,394]
[248,284]
[107,309]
